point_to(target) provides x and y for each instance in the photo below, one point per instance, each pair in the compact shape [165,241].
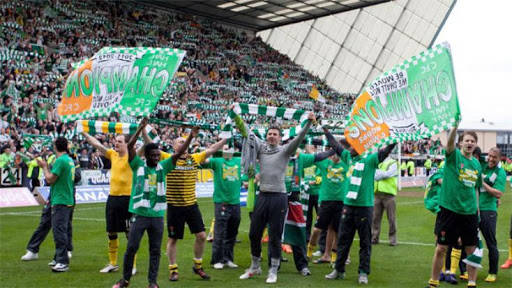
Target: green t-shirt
[288,177]
[135,164]
[461,176]
[62,190]
[362,173]
[310,174]
[334,178]
[496,178]
[227,180]
[431,198]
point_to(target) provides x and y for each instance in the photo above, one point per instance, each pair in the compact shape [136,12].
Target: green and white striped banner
[270,111]
[95,127]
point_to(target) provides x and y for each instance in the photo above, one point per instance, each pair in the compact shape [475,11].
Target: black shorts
[450,226]
[329,214]
[116,213]
[178,215]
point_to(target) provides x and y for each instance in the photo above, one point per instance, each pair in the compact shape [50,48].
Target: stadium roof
[351,49]
[259,15]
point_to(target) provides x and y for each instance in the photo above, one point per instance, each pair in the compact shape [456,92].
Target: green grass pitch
[406,265]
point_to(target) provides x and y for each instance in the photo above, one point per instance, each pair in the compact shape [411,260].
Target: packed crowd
[223,65]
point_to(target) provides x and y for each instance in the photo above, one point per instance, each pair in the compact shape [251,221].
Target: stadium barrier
[16,197]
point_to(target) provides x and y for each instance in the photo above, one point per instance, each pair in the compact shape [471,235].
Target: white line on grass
[30,214]
[39,211]
[409,203]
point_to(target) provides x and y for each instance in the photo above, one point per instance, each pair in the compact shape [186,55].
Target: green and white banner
[270,111]
[414,100]
[116,79]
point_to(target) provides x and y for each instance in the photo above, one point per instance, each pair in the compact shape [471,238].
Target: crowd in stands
[39,39]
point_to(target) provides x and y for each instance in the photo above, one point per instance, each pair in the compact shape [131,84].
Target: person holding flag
[116,211]
[357,212]
[148,203]
[272,203]
[458,204]
[331,195]
[182,206]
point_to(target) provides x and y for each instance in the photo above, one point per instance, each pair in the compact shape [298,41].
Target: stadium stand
[223,65]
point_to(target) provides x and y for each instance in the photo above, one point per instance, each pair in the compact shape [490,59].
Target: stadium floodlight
[227,5]
[307,8]
[294,14]
[284,11]
[240,8]
[266,15]
[278,18]
[258,4]
[296,5]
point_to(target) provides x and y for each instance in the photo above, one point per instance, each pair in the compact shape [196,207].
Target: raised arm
[147,140]
[185,145]
[384,153]
[294,144]
[338,148]
[450,146]
[133,139]
[324,155]
[215,147]
[95,143]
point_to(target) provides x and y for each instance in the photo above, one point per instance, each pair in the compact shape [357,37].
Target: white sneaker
[59,267]
[218,266]
[318,253]
[230,264]
[363,278]
[110,268]
[305,271]
[52,263]
[335,275]
[29,256]
[249,273]
[347,261]
[134,271]
[70,254]
[271,278]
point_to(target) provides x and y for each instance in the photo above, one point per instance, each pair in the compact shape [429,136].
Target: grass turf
[406,265]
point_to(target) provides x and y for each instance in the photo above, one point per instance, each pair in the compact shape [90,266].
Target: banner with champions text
[414,100]
[116,79]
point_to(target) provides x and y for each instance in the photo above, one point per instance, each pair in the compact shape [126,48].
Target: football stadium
[231,143]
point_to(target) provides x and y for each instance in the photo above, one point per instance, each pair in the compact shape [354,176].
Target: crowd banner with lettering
[414,100]
[117,79]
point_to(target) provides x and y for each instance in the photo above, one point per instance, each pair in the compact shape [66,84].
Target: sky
[480,36]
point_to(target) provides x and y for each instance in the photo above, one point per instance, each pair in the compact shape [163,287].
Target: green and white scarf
[94,127]
[475,259]
[144,199]
[270,111]
[355,179]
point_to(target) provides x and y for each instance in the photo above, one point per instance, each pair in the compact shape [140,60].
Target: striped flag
[96,127]
[315,94]
[295,225]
